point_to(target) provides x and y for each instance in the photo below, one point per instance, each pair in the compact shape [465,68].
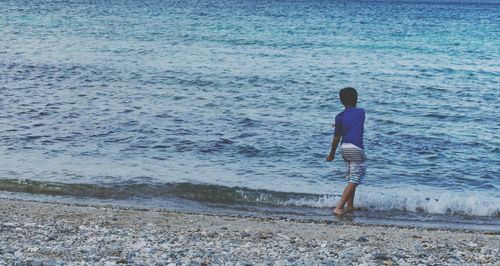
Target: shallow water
[242,94]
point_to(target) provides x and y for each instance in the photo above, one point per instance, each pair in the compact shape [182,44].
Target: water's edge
[226,201]
[191,208]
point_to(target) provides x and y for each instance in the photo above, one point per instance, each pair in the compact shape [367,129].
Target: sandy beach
[35,233]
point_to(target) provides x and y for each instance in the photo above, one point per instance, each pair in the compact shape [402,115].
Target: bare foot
[338,212]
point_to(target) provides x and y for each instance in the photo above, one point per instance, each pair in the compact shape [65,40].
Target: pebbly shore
[35,233]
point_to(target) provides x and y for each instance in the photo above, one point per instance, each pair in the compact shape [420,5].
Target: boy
[349,126]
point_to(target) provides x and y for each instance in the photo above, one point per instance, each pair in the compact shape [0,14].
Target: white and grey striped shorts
[354,158]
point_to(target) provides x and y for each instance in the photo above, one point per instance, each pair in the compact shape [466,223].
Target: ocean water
[229,103]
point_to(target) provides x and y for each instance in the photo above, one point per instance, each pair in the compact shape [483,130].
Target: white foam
[432,202]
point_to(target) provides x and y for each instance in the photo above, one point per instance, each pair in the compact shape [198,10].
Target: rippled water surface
[239,93]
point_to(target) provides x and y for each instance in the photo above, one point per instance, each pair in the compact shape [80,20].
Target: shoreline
[40,233]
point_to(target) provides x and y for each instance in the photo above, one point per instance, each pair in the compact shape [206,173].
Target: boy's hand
[330,157]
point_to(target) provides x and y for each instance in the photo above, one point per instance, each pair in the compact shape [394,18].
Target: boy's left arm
[335,144]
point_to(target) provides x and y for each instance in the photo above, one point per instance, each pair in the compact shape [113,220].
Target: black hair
[348,96]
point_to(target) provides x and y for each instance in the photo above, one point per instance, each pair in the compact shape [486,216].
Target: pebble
[350,253]
[265,234]
[212,234]
[46,240]
[37,263]
[362,239]
[381,256]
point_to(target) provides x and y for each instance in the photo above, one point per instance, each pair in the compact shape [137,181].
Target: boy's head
[348,97]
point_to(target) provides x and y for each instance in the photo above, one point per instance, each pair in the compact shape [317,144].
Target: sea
[226,106]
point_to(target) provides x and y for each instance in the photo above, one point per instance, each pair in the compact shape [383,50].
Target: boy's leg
[348,193]
[350,201]
[357,171]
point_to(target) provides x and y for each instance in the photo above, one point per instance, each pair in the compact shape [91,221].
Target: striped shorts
[354,158]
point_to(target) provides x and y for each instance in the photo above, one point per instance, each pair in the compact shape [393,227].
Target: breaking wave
[447,203]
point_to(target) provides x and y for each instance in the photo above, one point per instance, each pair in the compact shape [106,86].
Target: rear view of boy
[349,127]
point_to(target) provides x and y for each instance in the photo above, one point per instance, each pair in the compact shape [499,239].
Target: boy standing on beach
[349,127]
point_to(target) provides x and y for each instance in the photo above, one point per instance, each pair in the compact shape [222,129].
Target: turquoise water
[232,101]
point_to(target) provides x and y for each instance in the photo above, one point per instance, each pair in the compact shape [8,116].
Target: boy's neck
[348,106]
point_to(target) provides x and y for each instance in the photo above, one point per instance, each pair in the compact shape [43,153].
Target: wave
[414,201]
[448,203]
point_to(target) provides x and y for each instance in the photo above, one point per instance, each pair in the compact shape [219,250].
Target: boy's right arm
[335,144]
